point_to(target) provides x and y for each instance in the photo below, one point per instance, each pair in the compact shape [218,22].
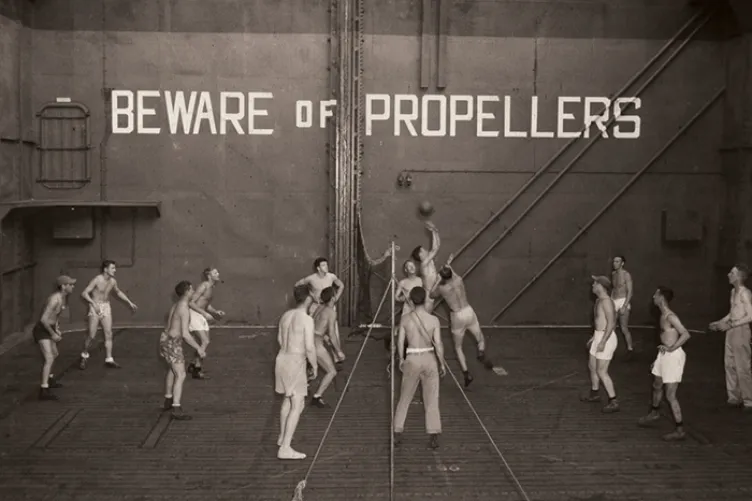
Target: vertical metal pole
[394,370]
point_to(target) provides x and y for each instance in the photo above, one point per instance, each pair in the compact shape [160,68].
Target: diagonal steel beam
[704,17]
[582,152]
[613,200]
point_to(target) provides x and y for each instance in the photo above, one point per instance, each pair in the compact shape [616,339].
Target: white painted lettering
[508,132]
[454,114]
[143,111]
[371,116]
[118,111]
[234,117]
[178,111]
[303,114]
[599,120]
[619,105]
[408,118]
[325,109]
[563,115]
[253,113]
[485,115]
[205,112]
[425,102]
[534,132]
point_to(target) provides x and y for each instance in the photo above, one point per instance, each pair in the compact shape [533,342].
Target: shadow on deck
[105,440]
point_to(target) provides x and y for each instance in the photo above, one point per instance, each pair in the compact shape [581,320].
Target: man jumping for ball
[296,346]
[47,334]
[425,259]
[324,323]
[318,281]
[602,345]
[171,350]
[201,313]
[97,294]
[668,367]
[462,317]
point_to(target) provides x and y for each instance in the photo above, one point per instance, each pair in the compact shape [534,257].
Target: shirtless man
[424,364]
[47,334]
[462,317]
[324,323]
[97,294]
[171,349]
[622,297]
[668,367]
[319,280]
[296,345]
[602,345]
[402,295]
[737,328]
[201,313]
[425,260]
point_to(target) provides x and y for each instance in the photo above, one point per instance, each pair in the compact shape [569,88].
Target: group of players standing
[309,338]
[613,300]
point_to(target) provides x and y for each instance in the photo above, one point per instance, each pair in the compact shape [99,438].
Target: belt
[419,350]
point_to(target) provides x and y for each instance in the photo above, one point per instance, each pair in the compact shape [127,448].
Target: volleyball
[425,208]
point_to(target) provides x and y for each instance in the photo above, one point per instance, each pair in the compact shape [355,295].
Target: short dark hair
[317,262]
[182,287]
[415,254]
[106,263]
[743,269]
[207,272]
[327,294]
[667,293]
[621,256]
[300,293]
[445,272]
[418,295]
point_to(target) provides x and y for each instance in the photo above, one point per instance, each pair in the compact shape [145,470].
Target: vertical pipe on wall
[425,44]
[443,51]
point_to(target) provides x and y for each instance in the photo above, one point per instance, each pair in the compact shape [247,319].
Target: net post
[392,348]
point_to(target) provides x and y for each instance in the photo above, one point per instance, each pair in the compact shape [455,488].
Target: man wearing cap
[602,345]
[47,334]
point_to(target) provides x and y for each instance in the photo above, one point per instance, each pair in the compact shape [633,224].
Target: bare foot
[289,453]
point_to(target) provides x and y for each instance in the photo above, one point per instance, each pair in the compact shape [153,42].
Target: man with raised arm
[425,260]
[462,317]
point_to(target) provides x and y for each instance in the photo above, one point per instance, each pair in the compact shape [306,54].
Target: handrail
[569,143]
[581,153]
[614,199]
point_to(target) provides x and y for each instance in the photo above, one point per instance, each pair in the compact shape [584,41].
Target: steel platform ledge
[8,207]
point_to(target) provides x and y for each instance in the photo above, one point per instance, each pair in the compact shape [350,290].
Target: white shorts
[608,350]
[463,320]
[105,310]
[669,366]
[618,303]
[197,322]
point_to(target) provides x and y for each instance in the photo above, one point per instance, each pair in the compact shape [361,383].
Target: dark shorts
[40,332]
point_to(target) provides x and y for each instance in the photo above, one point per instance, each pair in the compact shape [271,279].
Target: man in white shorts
[296,345]
[462,317]
[319,280]
[201,313]
[602,345]
[622,297]
[668,367]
